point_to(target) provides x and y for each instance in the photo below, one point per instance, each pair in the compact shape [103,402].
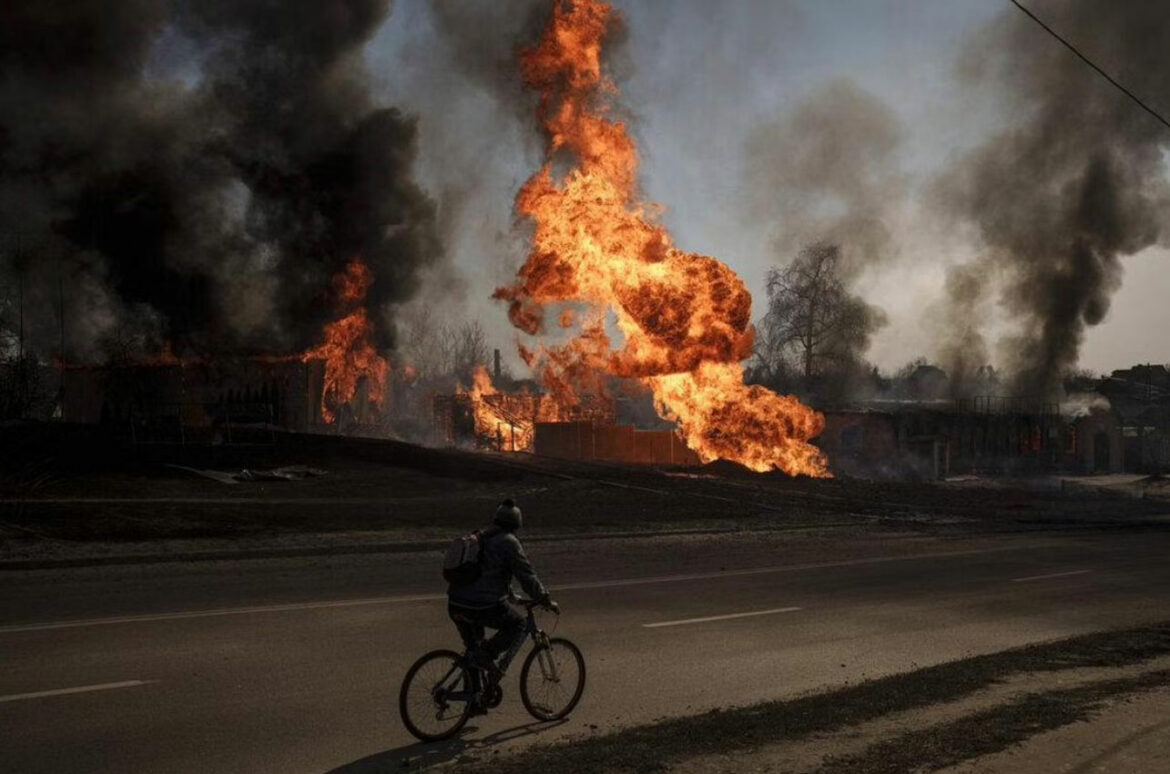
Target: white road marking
[728,617]
[1050,575]
[392,600]
[605,584]
[78,689]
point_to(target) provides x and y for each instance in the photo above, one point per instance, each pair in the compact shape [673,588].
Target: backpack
[463,560]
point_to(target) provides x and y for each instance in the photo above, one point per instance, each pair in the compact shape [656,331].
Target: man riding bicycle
[444,688]
[485,601]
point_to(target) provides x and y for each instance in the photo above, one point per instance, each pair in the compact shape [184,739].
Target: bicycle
[439,690]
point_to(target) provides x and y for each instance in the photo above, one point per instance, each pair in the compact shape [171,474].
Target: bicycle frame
[539,639]
[440,692]
[531,631]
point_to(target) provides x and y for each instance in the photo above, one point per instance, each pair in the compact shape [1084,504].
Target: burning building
[534,421]
[508,421]
[340,383]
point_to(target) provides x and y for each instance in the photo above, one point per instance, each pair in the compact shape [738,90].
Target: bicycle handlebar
[528,604]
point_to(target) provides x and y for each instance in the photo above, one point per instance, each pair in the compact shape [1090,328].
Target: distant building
[935,439]
[1140,397]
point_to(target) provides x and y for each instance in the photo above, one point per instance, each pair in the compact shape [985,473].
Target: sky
[699,80]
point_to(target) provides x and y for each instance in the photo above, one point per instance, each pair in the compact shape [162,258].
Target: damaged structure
[1120,423]
[994,435]
[207,401]
[1112,424]
[1140,398]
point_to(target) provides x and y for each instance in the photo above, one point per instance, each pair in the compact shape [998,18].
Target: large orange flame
[684,320]
[348,350]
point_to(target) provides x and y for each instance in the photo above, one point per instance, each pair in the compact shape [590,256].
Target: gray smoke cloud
[961,347]
[458,71]
[827,172]
[197,171]
[477,57]
[826,175]
[1080,180]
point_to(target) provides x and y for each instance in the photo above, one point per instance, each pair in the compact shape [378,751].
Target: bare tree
[470,350]
[772,362]
[420,340]
[813,323]
[436,350]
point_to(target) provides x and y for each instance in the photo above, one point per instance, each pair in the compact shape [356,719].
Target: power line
[1089,62]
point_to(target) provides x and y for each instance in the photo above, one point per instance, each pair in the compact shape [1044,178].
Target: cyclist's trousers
[506,619]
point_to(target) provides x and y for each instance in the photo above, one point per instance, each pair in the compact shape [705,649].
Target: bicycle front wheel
[435,700]
[552,679]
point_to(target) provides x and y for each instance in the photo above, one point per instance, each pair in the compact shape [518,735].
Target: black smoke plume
[484,41]
[1073,185]
[195,171]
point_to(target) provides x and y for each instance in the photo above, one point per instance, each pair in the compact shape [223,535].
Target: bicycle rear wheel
[552,679]
[435,699]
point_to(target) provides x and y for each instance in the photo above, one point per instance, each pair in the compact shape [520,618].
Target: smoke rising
[961,347]
[826,173]
[1060,196]
[483,41]
[196,172]
[457,70]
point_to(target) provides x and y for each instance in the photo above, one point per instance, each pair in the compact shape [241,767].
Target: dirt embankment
[63,485]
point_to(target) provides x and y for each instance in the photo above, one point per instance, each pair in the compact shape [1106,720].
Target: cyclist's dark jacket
[503,559]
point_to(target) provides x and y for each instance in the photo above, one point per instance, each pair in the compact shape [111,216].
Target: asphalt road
[293,665]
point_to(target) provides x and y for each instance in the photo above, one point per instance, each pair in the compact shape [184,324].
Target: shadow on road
[423,755]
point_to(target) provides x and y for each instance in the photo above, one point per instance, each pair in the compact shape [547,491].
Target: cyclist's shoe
[478,709]
[494,674]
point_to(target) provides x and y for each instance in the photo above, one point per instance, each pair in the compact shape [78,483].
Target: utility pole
[21,375]
[61,308]
[20,328]
[60,408]
[19,301]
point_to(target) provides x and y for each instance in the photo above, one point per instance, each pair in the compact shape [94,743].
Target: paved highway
[293,665]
